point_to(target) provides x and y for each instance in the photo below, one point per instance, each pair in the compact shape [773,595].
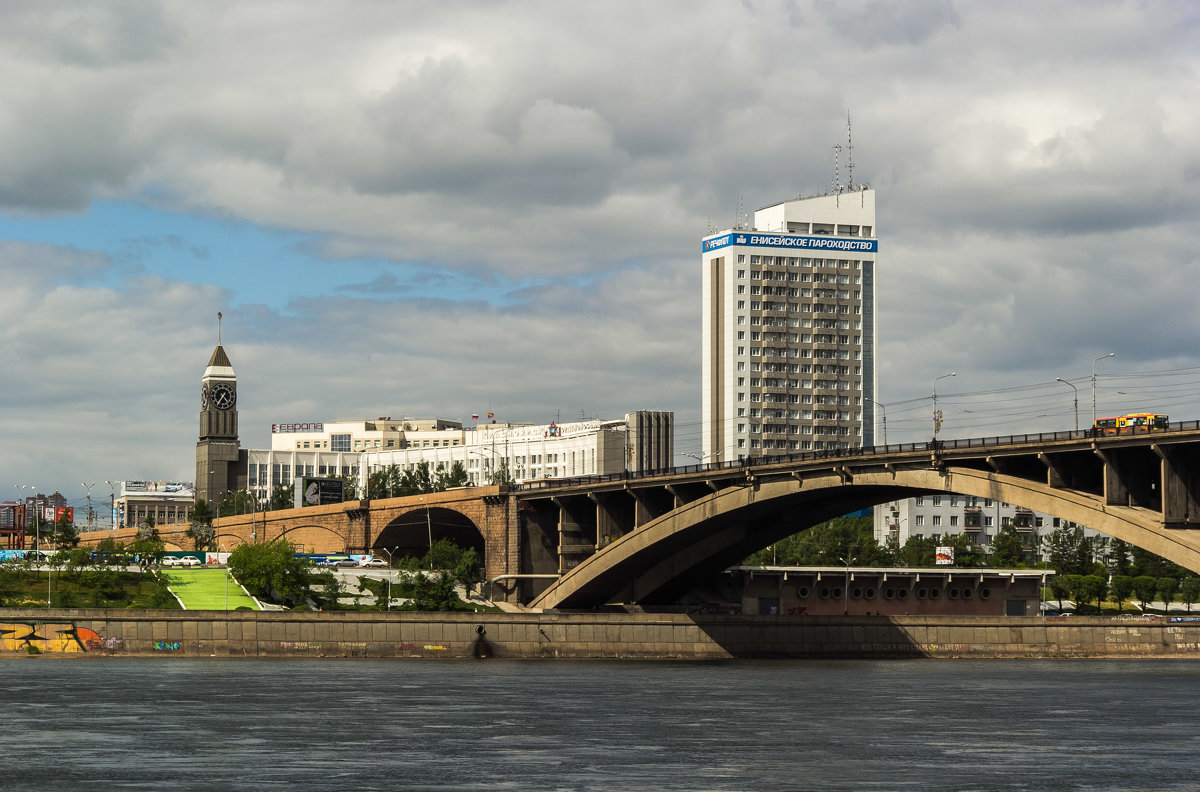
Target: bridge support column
[1115,492]
[358,537]
[1180,485]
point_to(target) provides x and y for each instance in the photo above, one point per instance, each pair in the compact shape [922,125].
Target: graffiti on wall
[48,637]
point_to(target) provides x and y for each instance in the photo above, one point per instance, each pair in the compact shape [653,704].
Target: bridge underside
[665,557]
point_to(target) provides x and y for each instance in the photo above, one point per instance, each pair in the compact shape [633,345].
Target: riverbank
[584,635]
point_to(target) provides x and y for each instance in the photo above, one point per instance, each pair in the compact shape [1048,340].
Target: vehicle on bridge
[1134,422]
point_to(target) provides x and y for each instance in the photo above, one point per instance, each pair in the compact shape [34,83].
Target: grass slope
[205,589]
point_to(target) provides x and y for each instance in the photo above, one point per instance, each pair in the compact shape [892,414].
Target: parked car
[186,561]
[374,562]
[347,562]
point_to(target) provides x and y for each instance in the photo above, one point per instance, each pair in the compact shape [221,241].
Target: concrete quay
[117,633]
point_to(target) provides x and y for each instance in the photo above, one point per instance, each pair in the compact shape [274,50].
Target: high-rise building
[789,333]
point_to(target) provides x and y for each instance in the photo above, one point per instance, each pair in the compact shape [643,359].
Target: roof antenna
[218,328]
[849,151]
[837,179]
[737,220]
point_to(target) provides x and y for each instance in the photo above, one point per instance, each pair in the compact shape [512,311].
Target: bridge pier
[1180,471]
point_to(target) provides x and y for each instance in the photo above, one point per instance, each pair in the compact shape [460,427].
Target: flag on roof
[491,415]
[474,416]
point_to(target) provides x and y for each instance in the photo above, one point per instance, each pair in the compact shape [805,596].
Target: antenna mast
[849,151]
[218,328]
[837,179]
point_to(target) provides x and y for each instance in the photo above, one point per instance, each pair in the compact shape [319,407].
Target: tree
[1121,587]
[917,551]
[1008,550]
[283,496]
[237,502]
[1144,587]
[502,476]
[1165,588]
[271,571]
[456,476]
[1189,591]
[200,529]
[1118,557]
[1090,588]
[65,533]
[1070,552]
[1060,587]
[827,544]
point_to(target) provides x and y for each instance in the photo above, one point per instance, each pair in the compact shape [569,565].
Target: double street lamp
[937,418]
[1094,362]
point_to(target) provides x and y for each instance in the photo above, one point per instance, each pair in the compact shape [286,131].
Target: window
[919,520]
[339,442]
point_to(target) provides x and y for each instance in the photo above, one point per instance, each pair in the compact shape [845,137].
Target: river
[151,724]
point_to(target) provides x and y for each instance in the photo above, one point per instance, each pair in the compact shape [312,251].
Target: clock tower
[219,460]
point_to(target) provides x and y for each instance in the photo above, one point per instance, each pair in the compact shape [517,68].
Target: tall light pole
[1064,382]
[88,487]
[937,418]
[848,560]
[112,496]
[880,406]
[1094,362]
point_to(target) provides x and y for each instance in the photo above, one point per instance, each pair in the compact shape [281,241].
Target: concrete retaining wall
[592,635]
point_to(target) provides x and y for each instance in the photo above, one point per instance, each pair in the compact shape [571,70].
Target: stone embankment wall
[591,635]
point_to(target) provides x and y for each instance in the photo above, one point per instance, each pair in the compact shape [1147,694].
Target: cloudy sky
[440,208]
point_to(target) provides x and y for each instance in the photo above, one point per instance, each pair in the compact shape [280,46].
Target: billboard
[319,491]
[944,556]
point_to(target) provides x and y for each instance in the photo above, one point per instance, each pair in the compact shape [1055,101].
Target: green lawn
[205,589]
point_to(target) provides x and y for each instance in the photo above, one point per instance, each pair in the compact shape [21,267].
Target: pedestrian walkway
[208,589]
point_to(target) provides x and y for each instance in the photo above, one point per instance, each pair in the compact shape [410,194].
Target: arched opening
[412,533]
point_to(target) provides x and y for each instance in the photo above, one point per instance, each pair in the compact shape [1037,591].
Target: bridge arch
[662,559]
[411,533]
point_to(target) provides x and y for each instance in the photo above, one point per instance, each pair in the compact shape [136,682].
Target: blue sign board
[749,239]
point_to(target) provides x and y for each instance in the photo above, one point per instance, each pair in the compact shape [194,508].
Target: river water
[151,724]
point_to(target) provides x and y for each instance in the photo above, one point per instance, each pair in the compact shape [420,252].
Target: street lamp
[112,496]
[1094,362]
[937,418]
[1064,382]
[881,407]
[846,588]
[88,487]
[222,547]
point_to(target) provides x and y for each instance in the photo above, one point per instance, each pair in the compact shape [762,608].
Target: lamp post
[88,487]
[937,418]
[881,407]
[112,496]
[1094,362]
[222,547]
[846,588]
[1064,382]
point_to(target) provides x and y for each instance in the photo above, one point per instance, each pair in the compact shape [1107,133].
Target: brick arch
[410,533]
[664,557]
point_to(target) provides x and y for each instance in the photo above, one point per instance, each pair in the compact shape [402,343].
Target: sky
[419,209]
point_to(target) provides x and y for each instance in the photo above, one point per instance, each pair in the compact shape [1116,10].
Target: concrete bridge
[649,538]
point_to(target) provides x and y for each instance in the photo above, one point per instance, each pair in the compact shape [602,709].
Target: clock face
[203,397]
[223,396]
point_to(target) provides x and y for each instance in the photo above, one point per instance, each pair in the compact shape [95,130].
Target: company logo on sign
[297,427]
[795,242]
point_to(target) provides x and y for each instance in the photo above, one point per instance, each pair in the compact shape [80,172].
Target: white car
[187,561]
[374,562]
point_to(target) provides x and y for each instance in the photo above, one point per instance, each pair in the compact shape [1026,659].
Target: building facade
[949,514]
[788,329]
[357,448]
[165,502]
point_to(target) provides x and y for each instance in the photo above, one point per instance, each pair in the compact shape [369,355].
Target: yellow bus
[1134,422]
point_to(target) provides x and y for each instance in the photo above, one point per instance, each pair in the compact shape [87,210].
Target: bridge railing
[752,463]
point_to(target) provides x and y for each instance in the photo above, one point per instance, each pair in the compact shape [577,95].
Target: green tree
[1144,587]
[1147,563]
[456,476]
[1060,587]
[283,496]
[827,544]
[1165,588]
[1121,587]
[502,476]
[237,502]
[1118,557]
[200,526]
[1091,588]
[1189,591]
[916,552]
[271,571]
[65,533]
[1070,552]
[1008,550]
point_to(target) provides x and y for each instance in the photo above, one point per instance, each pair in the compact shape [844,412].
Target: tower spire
[218,328]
